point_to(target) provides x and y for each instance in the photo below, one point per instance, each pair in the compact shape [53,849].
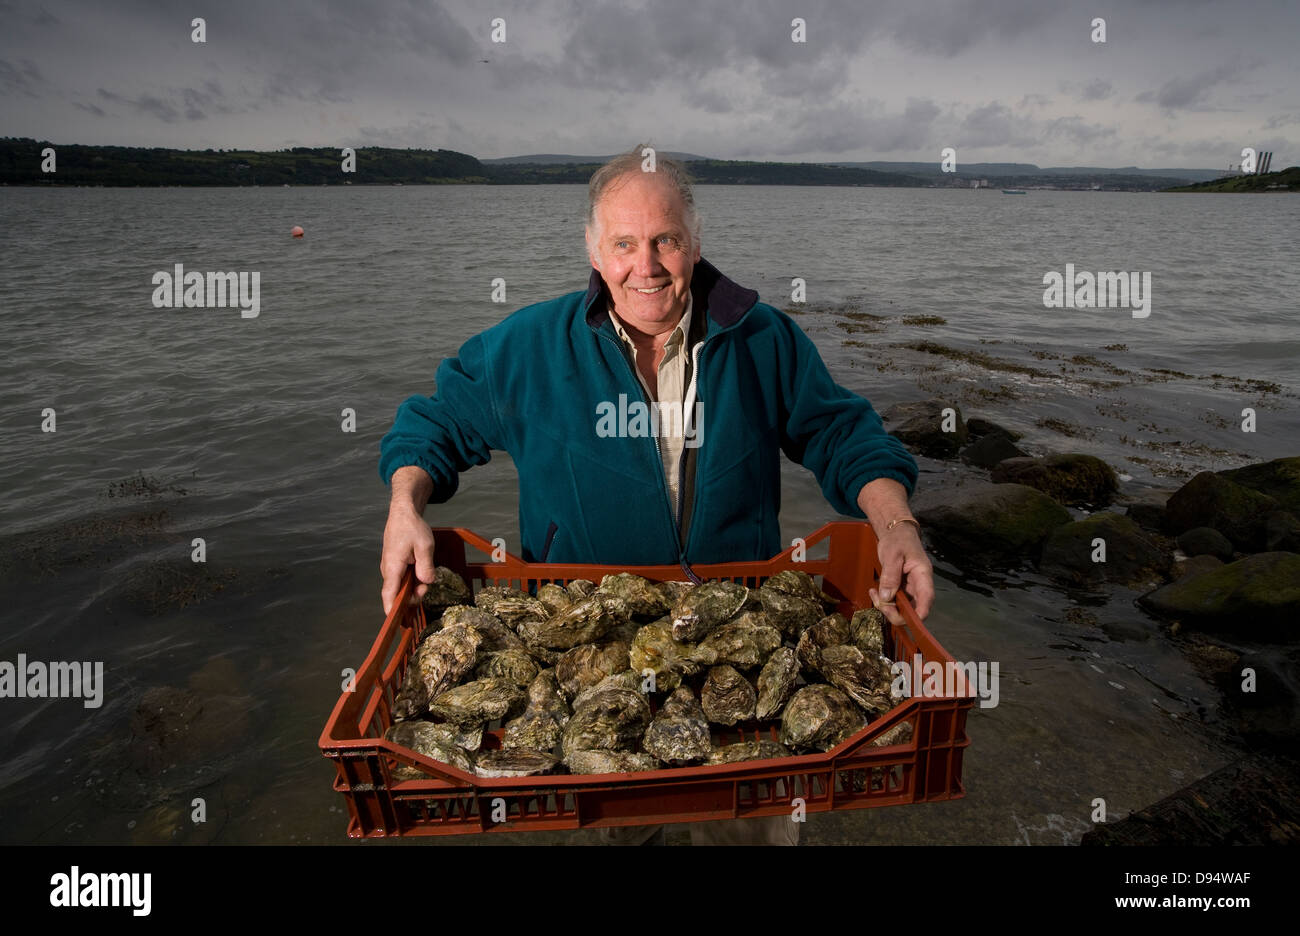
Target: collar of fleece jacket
[725,300]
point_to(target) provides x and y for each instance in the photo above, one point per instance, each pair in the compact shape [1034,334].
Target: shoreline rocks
[1072,479]
[985,523]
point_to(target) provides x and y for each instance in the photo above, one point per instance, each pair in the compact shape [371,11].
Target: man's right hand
[407,538]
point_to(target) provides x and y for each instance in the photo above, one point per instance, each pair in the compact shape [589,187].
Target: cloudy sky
[1177,83]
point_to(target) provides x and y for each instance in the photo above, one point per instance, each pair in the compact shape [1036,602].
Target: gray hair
[627,163]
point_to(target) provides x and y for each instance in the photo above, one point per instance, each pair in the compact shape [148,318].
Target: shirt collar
[683,326]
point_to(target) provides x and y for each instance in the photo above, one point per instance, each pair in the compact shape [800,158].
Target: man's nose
[647,260]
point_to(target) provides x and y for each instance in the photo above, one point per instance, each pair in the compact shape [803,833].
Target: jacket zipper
[659,473]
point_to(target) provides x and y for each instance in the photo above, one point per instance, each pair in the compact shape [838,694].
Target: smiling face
[642,246]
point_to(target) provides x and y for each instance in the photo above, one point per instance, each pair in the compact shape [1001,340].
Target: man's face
[642,247]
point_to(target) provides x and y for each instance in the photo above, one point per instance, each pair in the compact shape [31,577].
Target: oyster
[436,742]
[727,696]
[858,676]
[829,631]
[867,631]
[746,642]
[496,636]
[679,733]
[776,682]
[515,665]
[580,588]
[520,612]
[607,717]
[603,762]
[482,700]
[543,721]
[447,588]
[588,664]
[673,590]
[819,717]
[899,734]
[518,762]
[488,596]
[791,614]
[585,621]
[555,597]
[653,648]
[746,750]
[704,608]
[443,658]
[643,599]
[628,679]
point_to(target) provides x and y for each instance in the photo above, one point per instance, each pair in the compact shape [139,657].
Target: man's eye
[666,239]
[620,244]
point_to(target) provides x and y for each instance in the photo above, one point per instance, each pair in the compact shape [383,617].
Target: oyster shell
[588,664]
[791,614]
[517,762]
[899,734]
[653,648]
[607,717]
[479,701]
[542,724]
[555,597]
[776,682]
[794,582]
[704,608]
[679,733]
[858,676]
[746,750]
[867,631]
[673,590]
[584,621]
[496,636]
[829,631]
[603,762]
[443,658]
[580,588]
[447,588]
[643,599]
[544,696]
[489,595]
[514,665]
[746,641]
[819,717]
[437,742]
[727,696]
[519,612]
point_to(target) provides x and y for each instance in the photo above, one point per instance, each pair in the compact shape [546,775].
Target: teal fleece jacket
[538,383]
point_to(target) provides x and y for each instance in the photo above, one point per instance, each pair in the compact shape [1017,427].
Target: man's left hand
[903,562]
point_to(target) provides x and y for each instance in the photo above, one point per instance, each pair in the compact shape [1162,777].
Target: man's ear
[591,253]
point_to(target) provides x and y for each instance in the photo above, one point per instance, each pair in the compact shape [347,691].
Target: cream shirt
[674,377]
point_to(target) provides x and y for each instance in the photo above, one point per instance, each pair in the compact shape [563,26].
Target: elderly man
[565,386]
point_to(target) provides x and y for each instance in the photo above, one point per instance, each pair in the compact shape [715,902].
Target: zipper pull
[690,573]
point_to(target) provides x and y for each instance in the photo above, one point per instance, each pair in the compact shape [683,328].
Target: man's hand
[903,561]
[407,538]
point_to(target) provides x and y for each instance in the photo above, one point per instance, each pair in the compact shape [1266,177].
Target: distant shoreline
[26,162]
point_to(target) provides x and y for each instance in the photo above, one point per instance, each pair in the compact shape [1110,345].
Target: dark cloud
[1191,92]
[1098,89]
[23,78]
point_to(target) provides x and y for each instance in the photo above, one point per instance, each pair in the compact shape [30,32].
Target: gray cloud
[1191,92]
[1097,90]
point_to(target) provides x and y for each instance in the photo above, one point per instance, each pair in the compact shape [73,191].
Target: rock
[1149,511]
[920,427]
[1279,479]
[981,524]
[1281,532]
[1263,690]
[1258,595]
[990,450]
[1253,801]
[1130,557]
[1214,501]
[1072,479]
[978,428]
[1195,566]
[1206,541]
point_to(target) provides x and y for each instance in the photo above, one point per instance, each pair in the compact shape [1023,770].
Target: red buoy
[297,231]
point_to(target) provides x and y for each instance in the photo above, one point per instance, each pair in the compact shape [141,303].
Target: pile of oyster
[633,675]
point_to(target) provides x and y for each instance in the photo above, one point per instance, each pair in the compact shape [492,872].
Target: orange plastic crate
[852,775]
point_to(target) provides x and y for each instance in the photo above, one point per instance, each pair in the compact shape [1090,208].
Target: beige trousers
[765,830]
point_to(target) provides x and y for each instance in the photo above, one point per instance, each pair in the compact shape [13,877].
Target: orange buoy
[297,231]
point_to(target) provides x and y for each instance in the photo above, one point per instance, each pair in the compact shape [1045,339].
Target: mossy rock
[1074,479]
[920,426]
[1211,500]
[982,524]
[1131,558]
[1279,479]
[1258,596]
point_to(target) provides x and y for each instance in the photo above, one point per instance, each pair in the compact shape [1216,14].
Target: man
[733,381]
